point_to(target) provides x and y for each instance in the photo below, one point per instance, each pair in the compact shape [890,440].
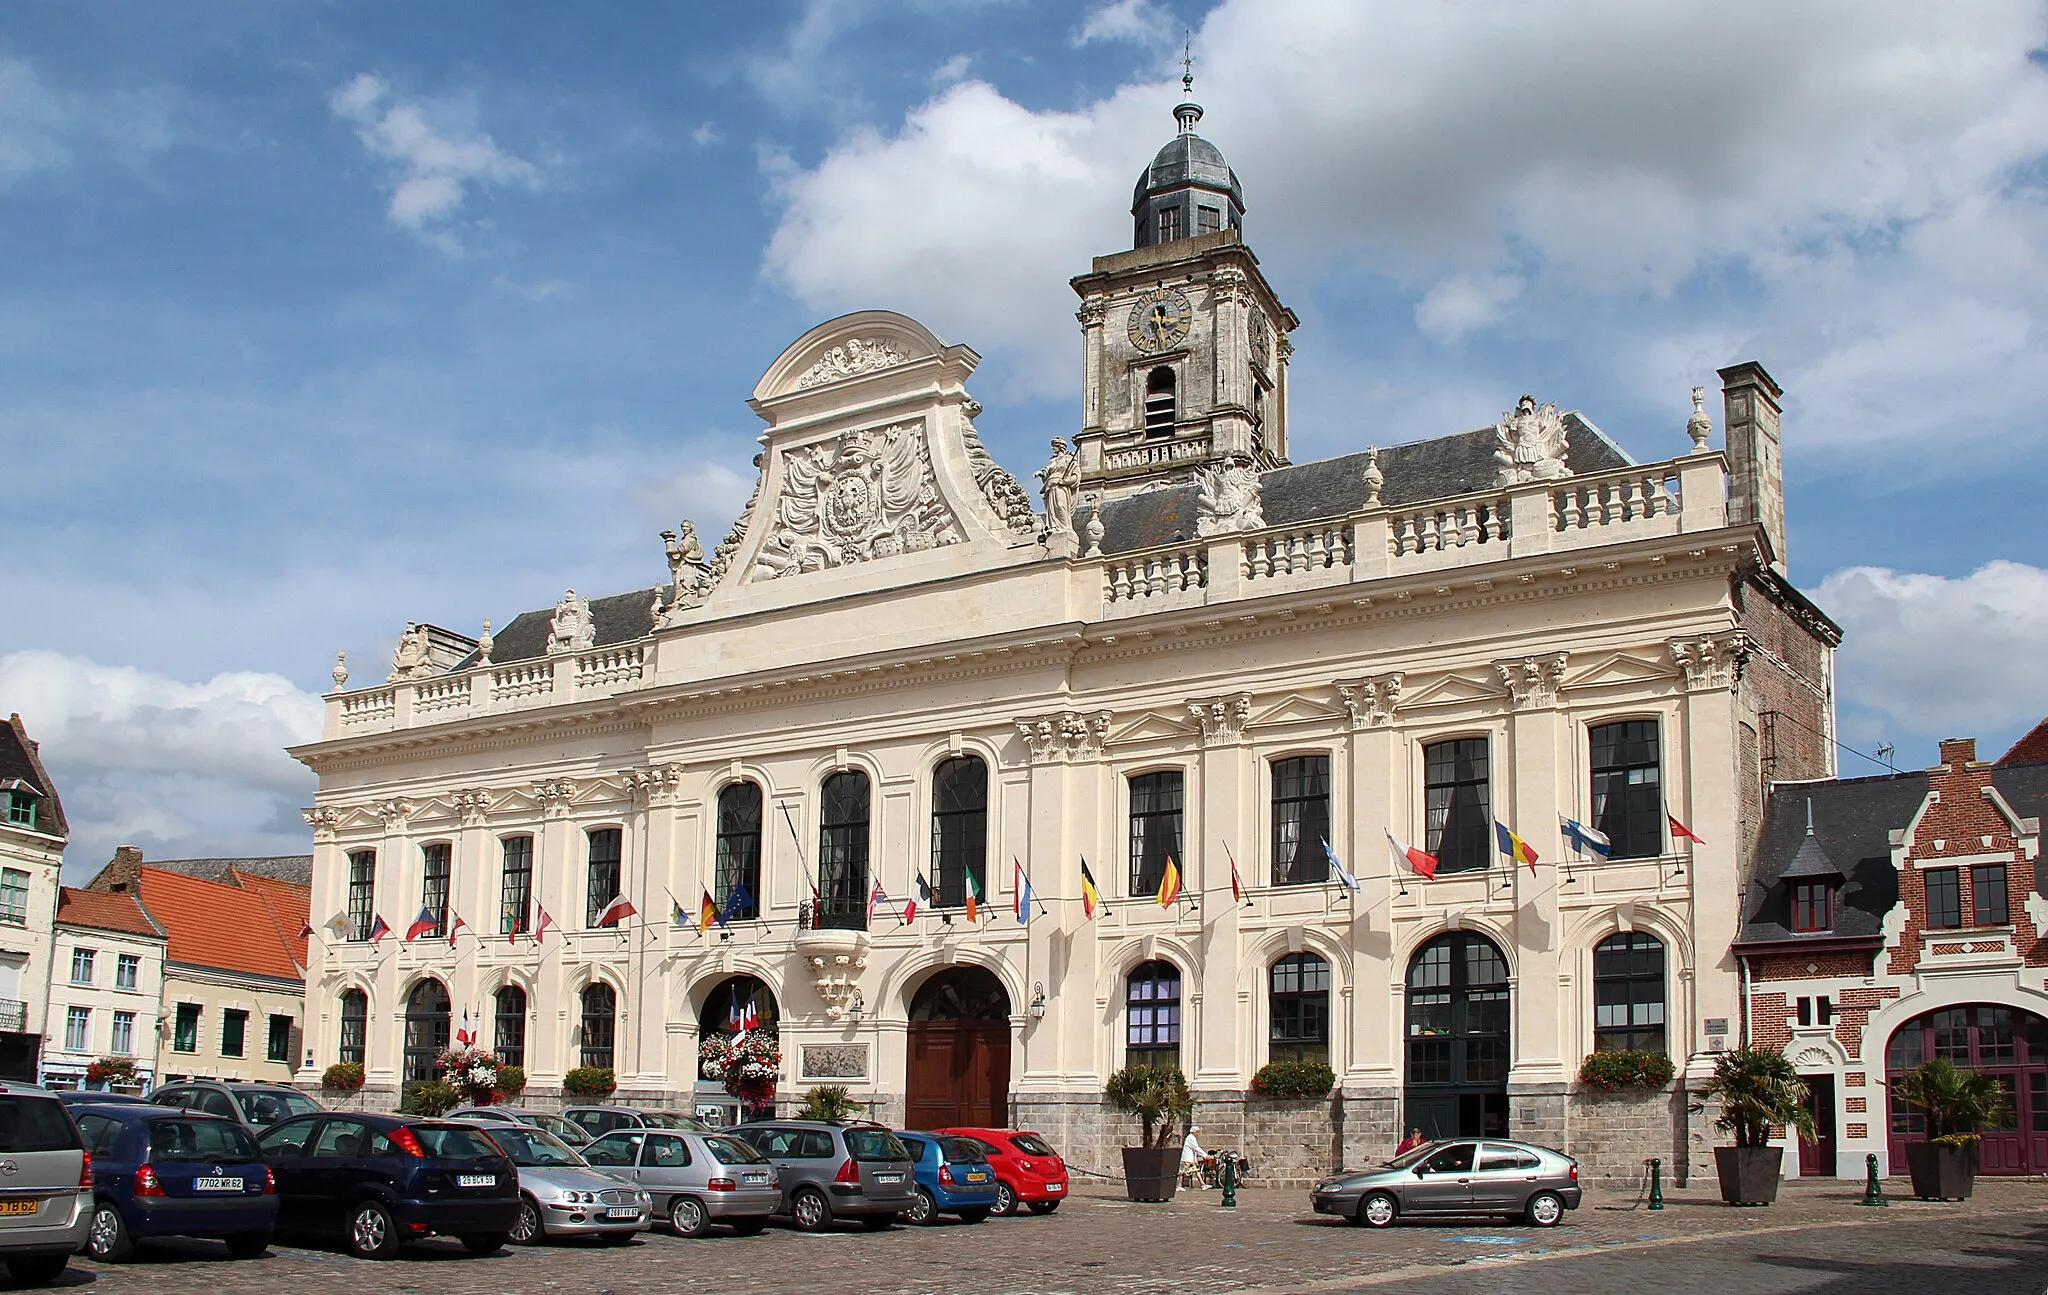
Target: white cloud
[31,121]
[1461,303]
[1942,656]
[435,170]
[706,135]
[1132,20]
[953,69]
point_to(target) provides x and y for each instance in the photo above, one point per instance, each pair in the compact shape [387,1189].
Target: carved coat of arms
[870,494]
[1227,500]
[1530,443]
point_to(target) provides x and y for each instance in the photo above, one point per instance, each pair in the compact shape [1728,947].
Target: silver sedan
[561,1195]
[1468,1176]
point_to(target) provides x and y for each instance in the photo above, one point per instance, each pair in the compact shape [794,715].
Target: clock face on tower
[1160,319]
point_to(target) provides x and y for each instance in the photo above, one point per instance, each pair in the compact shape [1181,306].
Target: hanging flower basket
[748,1064]
[472,1073]
[115,1072]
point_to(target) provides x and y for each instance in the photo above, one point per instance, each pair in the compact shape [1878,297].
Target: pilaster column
[330,880]
[1703,795]
[1372,753]
[553,871]
[386,1026]
[659,832]
[1064,749]
[1539,737]
[1219,816]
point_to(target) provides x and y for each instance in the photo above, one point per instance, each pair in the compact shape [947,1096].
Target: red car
[1028,1172]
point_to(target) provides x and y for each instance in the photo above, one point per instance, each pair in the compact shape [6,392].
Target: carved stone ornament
[1227,500]
[1222,718]
[854,355]
[1064,735]
[1262,340]
[1699,426]
[655,781]
[393,812]
[693,593]
[1094,530]
[1228,286]
[1711,661]
[471,802]
[1531,443]
[485,644]
[869,494]
[1374,479]
[411,660]
[340,672]
[573,628]
[1372,700]
[323,819]
[554,794]
[836,978]
[1532,680]
[1093,311]
[1003,492]
[1059,480]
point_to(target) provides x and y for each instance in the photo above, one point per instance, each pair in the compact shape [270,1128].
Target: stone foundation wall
[1612,1134]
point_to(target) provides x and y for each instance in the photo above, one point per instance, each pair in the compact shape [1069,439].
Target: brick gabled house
[1896,918]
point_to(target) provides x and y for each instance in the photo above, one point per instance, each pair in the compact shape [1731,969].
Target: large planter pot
[1749,1175]
[1151,1174]
[1942,1173]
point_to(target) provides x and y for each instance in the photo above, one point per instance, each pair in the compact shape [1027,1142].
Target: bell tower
[1184,343]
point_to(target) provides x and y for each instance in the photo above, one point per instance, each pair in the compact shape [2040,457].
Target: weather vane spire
[1188,112]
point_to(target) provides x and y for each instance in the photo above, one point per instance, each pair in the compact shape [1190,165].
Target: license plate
[622,1212]
[476,1180]
[977,1178]
[888,1178]
[217,1184]
[20,1207]
[1055,1187]
[754,1180]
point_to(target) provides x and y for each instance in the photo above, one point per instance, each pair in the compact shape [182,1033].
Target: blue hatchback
[953,1177]
[162,1172]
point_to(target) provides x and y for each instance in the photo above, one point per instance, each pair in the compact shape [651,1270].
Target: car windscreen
[573,1134]
[875,1144]
[1030,1144]
[1411,1156]
[666,1120]
[267,1108]
[533,1148]
[446,1142]
[174,1141]
[732,1151]
[35,1124]
[962,1151]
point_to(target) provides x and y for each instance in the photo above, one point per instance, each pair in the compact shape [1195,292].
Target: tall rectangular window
[278,1047]
[355,1026]
[1156,801]
[1301,820]
[1944,897]
[13,897]
[739,852]
[1457,805]
[436,863]
[78,1029]
[843,851]
[122,1041]
[185,1028]
[234,1032]
[1813,906]
[959,829]
[1989,903]
[515,890]
[1169,224]
[127,971]
[1628,802]
[362,893]
[605,845]
[81,966]
[1208,219]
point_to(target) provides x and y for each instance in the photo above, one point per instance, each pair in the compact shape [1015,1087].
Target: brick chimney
[120,874]
[1756,461]
[1956,752]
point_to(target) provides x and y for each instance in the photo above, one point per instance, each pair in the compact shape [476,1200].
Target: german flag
[707,912]
[1091,898]
[1169,885]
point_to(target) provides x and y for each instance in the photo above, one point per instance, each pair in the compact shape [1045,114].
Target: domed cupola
[1189,189]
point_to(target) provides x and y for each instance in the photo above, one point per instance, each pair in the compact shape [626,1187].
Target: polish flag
[614,913]
[1407,856]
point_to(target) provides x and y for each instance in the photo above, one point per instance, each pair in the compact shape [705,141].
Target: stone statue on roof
[573,628]
[1227,499]
[411,660]
[1531,443]
[1060,479]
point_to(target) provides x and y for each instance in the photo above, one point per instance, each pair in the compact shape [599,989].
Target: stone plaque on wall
[835,1061]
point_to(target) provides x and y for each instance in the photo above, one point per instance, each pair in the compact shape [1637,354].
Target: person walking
[1412,1141]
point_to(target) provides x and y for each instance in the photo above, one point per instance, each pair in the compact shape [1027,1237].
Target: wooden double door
[959,1053]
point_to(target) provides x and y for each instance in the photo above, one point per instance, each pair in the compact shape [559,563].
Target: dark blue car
[162,1172]
[953,1177]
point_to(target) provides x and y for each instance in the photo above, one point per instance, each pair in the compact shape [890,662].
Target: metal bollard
[1656,1184]
[1873,1192]
[1229,1182]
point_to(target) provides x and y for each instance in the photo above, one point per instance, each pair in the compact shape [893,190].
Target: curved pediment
[850,347]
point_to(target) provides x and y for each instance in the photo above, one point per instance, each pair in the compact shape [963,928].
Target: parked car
[828,1170]
[600,1120]
[87,1097]
[1028,1171]
[255,1106]
[696,1179]
[45,1204]
[953,1177]
[158,1171]
[379,1181]
[560,1194]
[573,1134]
[1457,1176]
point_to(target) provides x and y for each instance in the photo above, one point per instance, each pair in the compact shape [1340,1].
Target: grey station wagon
[45,1184]
[1458,1176]
[695,1179]
[828,1171]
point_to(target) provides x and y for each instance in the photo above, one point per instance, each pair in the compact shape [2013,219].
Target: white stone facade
[120,1004]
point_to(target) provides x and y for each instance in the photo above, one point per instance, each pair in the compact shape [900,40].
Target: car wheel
[880,1222]
[527,1228]
[1044,1207]
[810,1212]
[37,1270]
[107,1238]
[484,1243]
[1378,1210]
[923,1209]
[1544,1211]
[371,1233]
[748,1227]
[686,1215]
[248,1245]
[1006,1198]
[973,1215]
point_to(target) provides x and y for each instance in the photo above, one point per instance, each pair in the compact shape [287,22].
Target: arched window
[959,829]
[605,848]
[1161,408]
[738,1003]
[739,852]
[1300,1009]
[1458,1012]
[426,1029]
[508,1025]
[1628,993]
[355,1026]
[843,852]
[435,866]
[1152,1015]
[600,1017]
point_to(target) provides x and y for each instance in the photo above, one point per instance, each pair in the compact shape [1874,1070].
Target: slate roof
[620,618]
[229,927]
[104,912]
[1853,819]
[19,758]
[294,868]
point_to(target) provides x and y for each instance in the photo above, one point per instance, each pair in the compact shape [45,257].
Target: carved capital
[554,795]
[323,819]
[1094,310]
[1532,680]
[1229,285]
[1222,718]
[1372,700]
[1064,735]
[471,802]
[656,783]
[394,812]
[1712,660]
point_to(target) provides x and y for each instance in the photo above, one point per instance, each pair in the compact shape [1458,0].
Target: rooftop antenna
[1884,753]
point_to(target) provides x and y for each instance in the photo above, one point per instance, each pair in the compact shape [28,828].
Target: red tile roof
[290,905]
[235,928]
[104,912]
[2034,746]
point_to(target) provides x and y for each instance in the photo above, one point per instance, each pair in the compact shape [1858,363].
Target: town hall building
[1180,657]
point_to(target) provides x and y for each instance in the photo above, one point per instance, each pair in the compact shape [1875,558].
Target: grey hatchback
[829,1170]
[1458,1176]
[45,1184]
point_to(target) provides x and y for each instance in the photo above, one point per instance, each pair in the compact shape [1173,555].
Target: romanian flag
[1514,847]
[707,912]
[1422,863]
[1679,829]
[1169,884]
[1091,898]
[973,896]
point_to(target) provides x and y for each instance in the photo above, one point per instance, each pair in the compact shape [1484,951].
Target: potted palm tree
[1759,1091]
[1158,1096]
[1957,1102]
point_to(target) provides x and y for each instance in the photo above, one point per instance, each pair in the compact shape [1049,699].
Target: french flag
[1407,856]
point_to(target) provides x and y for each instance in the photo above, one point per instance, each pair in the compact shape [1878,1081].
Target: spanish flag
[1169,885]
[707,912]
[1091,898]
[1514,847]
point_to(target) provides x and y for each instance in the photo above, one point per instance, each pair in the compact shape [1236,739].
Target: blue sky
[318,318]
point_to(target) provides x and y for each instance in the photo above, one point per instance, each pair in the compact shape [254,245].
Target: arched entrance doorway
[737,1003]
[426,1029]
[1458,1038]
[2008,1043]
[959,1071]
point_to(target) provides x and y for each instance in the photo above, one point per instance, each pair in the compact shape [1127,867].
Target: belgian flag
[1091,898]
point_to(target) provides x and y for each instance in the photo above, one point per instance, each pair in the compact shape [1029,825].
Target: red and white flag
[1420,862]
[540,932]
[455,925]
[875,897]
[614,913]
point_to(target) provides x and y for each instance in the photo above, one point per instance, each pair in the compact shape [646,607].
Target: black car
[379,1181]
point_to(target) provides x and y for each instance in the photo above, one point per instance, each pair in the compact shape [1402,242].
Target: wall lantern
[1038,999]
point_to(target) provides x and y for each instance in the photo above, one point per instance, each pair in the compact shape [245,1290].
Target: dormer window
[1813,906]
[21,808]
[1161,406]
